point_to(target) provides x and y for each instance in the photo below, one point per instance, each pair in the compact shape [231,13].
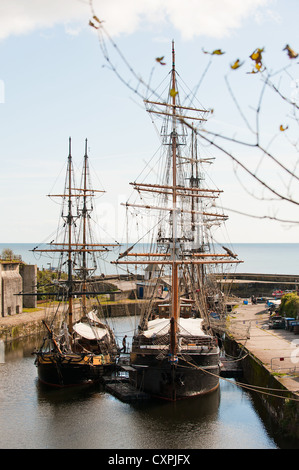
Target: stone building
[16,278]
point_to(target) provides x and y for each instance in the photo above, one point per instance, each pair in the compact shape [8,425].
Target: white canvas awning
[189,327]
[89,332]
[93,316]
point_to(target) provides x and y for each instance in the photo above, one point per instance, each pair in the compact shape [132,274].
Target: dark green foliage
[45,284]
[289,306]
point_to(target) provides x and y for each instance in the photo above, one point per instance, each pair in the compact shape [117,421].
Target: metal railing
[285,365]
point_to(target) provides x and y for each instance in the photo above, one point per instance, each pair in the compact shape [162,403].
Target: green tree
[46,283]
[289,305]
[7,254]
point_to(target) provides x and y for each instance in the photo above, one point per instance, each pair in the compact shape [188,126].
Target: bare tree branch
[140,87]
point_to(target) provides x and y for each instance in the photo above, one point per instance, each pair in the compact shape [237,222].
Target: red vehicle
[278,294]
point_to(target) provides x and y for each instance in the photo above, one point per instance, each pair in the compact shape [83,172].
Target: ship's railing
[162,342]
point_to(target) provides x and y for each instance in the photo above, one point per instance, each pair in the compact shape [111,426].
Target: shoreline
[29,323]
[241,286]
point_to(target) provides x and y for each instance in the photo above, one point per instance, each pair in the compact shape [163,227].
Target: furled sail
[89,332]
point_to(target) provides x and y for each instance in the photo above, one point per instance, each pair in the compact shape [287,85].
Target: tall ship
[79,346]
[175,351]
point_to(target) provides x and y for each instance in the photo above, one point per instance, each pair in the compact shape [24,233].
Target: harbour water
[35,417]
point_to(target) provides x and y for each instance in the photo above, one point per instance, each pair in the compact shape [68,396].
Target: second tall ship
[175,351]
[79,346]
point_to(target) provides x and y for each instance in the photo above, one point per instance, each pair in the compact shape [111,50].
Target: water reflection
[176,425]
[62,396]
[35,416]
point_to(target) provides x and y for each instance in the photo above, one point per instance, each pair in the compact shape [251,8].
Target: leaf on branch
[236,65]
[281,128]
[215,52]
[257,56]
[291,53]
[159,59]
[218,52]
[257,68]
[97,19]
[173,92]
[93,25]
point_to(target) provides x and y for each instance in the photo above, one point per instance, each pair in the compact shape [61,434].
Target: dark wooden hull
[197,374]
[71,370]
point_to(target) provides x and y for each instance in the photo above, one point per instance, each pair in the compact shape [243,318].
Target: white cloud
[25,16]
[214,18]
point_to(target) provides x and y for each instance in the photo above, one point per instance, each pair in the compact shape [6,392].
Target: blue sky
[55,83]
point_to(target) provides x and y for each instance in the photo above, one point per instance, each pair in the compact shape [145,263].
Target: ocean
[261,258]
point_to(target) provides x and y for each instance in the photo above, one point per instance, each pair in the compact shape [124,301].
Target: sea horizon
[259,258]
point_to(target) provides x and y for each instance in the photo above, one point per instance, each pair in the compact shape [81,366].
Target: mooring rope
[252,388]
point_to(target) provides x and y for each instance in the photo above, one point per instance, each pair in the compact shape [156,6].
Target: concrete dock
[270,362]
[276,349]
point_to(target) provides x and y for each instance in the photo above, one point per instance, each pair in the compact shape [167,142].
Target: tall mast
[175,296]
[84,215]
[69,222]
[177,190]
[71,244]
